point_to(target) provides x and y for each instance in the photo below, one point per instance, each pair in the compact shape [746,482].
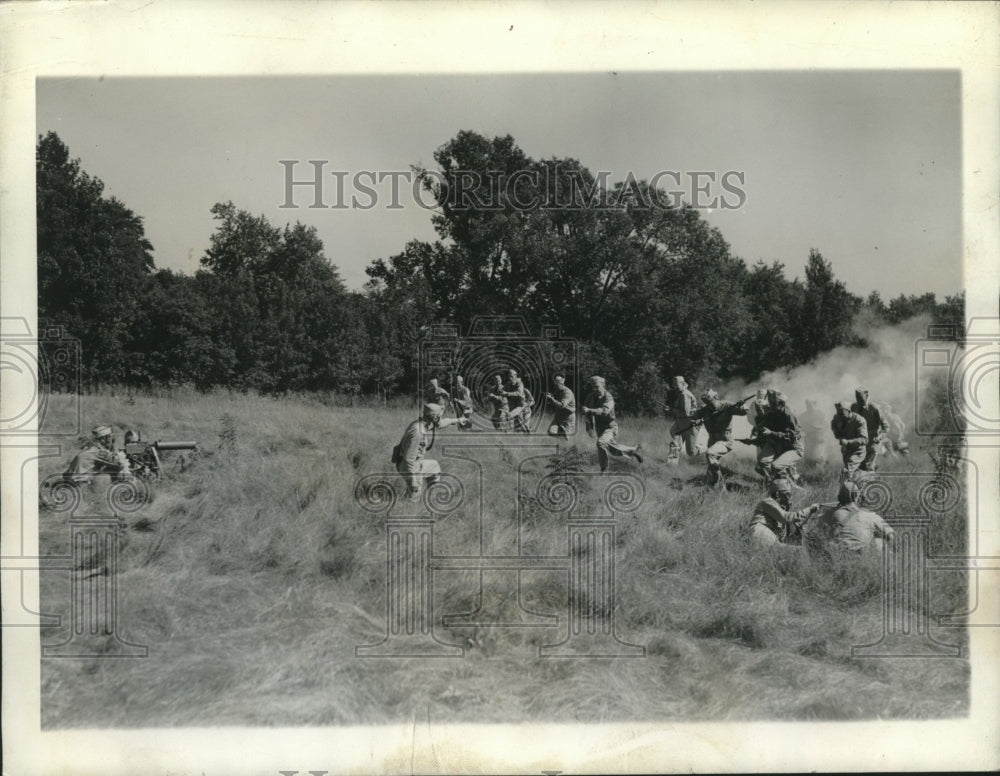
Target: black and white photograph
[522,388]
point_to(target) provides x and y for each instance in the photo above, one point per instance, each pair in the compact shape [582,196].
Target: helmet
[101,431]
[780,485]
[432,410]
[710,396]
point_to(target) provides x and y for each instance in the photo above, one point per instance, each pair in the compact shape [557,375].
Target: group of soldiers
[862,429]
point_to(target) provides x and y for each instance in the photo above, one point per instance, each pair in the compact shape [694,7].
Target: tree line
[647,290]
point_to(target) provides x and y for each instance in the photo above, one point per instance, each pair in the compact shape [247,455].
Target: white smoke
[885,366]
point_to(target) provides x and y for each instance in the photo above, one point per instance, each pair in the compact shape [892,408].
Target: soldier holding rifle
[717,417]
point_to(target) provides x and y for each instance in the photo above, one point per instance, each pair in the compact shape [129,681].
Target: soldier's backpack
[529,400]
[397,455]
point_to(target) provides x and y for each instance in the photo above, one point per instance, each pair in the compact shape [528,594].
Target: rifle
[755,441]
[144,457]
[691,425]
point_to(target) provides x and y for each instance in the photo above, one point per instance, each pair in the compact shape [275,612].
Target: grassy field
[253,575]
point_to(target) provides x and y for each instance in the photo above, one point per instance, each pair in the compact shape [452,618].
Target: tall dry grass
[253,574]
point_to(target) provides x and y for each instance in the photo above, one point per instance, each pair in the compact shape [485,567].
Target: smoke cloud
[885,366]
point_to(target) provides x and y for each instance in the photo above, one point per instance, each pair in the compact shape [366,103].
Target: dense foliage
[648,289]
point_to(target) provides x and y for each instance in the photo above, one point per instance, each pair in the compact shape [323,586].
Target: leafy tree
[828,310]
[93,260]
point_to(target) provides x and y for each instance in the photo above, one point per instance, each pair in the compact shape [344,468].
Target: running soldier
[773,521]
[462,400]
[877,427]
[756,409]
[520,401]
[683,430]
[599,412]
[498,402]
[717,417]
[564,419]
[409,453]
[780,438]
[851,431]
[435,394]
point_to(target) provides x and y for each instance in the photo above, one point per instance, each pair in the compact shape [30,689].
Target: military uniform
[852,433]
[564,419]
[683,409]
[782,444]
[602,417]
[517,399]
[853,529]
[412,464]
[98,456]
[877,427]
[772,524]
[501,408]
[718,422]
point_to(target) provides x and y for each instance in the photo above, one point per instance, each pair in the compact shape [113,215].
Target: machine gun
[144,457]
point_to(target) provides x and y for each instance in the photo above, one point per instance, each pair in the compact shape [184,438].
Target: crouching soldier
[98,456]
[409,453]
[849,528]
[774,522]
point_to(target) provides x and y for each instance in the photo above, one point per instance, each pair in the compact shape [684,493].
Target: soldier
[780,438]
[717,417]
[98,456]
[756,409]
[773,522]
[409,453]
[877,427]
[850,528]
[517,399]
[462,400]
[435,394]
[599,412]
[564,419]
[683,408]
[814,430]
[851,431]
[498,401]
[897,431]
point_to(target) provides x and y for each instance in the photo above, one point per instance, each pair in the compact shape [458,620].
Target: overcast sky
[864,166]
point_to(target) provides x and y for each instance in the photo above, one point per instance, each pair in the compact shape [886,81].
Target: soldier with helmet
[774,522]
[599,412]
[717,417]
[780,447]
[851,431]
[98,456]
[849,528]
[877,427]
[409,453]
